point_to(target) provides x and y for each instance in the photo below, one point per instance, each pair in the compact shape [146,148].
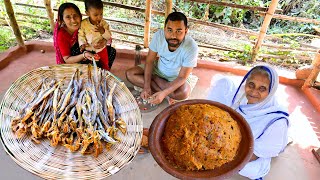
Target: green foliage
[237,17]
[243,56]
[232,16]
[297,8]
[6,39]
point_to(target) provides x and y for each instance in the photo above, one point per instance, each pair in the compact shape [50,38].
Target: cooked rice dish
[200,137]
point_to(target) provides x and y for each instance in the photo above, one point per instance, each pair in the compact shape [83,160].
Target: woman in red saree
[66,36]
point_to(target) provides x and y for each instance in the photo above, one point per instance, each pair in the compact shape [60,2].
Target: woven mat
[58,162]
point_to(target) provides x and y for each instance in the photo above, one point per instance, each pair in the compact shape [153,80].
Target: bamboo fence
[253,8]
[268,12]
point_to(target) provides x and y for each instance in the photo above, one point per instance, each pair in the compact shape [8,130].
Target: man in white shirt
[169,75]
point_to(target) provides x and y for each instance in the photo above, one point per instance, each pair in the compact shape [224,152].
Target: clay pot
[243,156]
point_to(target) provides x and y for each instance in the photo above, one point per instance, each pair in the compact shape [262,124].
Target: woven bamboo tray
[58,162]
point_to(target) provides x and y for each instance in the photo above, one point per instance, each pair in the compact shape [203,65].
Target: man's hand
[99,29]
[146,93]
[157,97]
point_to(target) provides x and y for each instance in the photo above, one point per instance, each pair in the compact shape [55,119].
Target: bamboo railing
[295,19]
[253,8]
[107,19]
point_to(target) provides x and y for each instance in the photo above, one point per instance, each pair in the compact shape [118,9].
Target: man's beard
[173,44]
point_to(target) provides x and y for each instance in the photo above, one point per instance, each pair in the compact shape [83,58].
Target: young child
[93,29]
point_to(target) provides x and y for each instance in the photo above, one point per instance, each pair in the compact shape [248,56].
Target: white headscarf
[258,115]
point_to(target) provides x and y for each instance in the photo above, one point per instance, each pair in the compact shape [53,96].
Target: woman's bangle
[83,54]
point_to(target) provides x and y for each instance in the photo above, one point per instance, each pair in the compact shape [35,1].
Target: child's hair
[97,4]
[65,6]
[177,16]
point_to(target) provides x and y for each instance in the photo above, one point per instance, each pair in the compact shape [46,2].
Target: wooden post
[264,27]
[47,4]
[147,24]
[314,73]
[168,8]
[14,24]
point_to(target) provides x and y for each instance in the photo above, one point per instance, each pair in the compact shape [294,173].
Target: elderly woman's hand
[100,44]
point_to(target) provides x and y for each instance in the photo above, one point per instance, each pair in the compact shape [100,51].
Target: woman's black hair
[177,16]
[65,6]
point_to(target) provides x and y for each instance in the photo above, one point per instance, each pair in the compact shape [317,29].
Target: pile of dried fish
[81,116]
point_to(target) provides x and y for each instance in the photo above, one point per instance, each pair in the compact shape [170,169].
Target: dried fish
[81,116]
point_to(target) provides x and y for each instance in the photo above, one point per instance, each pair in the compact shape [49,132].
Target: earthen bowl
[243,156]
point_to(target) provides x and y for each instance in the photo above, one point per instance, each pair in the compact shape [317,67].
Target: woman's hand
[100,44]
[87,55]
[83,47]
[157,97]
[253,158]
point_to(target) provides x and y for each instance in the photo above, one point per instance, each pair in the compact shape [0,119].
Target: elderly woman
[255,100]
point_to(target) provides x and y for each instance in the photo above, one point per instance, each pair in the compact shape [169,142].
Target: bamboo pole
[125,33]
[47,4]
[124,22]
[314,73]
[130,7]
[284,57]
[290,18]
[285,47]
[13,24]
[218,48]
[147,24]
[127,41]
[264,28]
[168,7]
[254,8]
[224,27]
[31,15]
[32,6]
[107,19]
